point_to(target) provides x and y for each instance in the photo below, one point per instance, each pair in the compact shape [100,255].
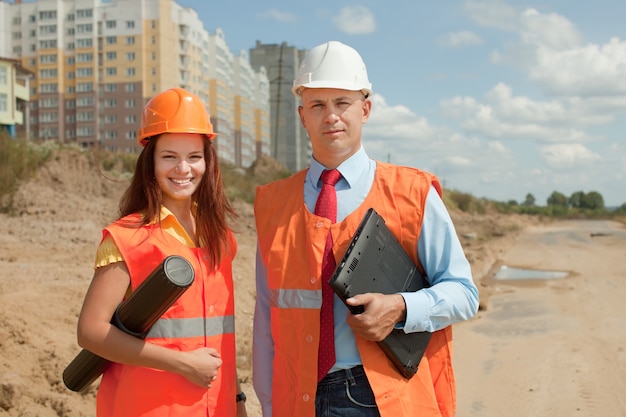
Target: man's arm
[452,296]
[263,345]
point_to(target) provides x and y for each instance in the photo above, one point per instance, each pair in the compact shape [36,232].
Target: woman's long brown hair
[213,209]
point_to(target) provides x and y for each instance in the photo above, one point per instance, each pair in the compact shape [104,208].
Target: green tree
[557,199]
[529,201]
[593,201]
[576,199]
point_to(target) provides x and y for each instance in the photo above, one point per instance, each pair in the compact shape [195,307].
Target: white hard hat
[332,65]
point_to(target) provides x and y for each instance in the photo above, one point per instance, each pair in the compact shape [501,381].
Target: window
[110,56]
[51,14]
[110,118]
[130,71]
[88,57]
[130,56]
[129,103]
[84,43]
[84,87]
[85,101]
[109,88]
[48,73]
[48,30]
[111,71]
[48,88]
[84,116]
[111,24]
[48,117]
[111,40]
[47,44]
[4,103]
[84,131]
[130,119]
[84,72]
[84,28]
[3,76]
[129,88]
[84,13]
[130,24]
[130,40]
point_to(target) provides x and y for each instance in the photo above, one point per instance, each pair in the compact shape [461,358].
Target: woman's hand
[201,366]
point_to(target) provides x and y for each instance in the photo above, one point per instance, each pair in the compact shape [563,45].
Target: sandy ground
[551,347]
[542,349]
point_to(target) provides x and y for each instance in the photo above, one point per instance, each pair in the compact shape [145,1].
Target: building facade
[97,63]
[14,96]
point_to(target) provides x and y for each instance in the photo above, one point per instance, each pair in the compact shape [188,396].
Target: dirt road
[551,347]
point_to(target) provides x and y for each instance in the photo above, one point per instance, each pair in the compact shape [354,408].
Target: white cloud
[460,39]
[506,116]
[568,155]
[278,15]
[493,13]
[554,54]
[355,20]
[590,70]
[548,31]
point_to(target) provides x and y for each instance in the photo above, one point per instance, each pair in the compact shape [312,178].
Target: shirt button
[319,224]
[309,339]
[211,309]
[313,280]
[305,397]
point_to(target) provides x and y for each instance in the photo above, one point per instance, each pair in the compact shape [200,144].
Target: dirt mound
[46,255]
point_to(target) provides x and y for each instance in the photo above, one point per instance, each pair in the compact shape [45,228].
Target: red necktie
[326,206]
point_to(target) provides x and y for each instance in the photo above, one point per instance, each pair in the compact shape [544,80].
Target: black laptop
[375,262]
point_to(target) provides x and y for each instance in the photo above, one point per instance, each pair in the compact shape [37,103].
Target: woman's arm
[98,335]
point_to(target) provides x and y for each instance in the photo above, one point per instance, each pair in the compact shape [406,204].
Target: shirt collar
[351,169]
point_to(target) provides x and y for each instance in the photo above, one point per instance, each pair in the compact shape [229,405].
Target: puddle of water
[509,273]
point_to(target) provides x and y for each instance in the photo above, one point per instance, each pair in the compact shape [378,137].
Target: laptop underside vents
[375,262]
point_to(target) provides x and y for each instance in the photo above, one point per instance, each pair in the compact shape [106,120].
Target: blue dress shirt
[452,296]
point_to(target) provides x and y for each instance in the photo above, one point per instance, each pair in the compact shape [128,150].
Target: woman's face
[179,165]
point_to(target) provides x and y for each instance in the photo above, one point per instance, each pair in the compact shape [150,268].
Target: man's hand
[381,314]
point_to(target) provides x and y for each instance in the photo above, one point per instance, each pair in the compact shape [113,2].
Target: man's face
[334,119]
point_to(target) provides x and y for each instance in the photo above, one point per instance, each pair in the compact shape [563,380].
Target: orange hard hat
[174,111]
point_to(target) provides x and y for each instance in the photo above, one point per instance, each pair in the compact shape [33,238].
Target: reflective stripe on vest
[192,327]
[288,298]
[287,231]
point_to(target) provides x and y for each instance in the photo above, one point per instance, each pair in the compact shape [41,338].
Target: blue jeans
[345,393]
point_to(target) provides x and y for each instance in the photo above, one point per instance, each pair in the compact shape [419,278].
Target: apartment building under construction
[96,63]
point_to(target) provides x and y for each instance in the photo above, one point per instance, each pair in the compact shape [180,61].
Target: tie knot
[330,176]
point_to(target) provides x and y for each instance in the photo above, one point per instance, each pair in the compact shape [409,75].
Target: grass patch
[19,161]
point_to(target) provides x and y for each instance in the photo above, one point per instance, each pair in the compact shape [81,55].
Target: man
[333,86]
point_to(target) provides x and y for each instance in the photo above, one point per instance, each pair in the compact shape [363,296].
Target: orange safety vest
[291,242]
[202,317]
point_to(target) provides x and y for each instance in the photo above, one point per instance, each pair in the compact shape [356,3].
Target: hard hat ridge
[332,65]
[174,111]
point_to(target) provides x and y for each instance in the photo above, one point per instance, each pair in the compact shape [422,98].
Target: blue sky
[499,99]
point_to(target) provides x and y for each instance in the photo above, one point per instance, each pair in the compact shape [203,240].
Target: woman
[175,205]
